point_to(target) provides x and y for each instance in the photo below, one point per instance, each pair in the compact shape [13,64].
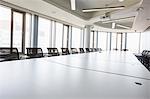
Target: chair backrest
[91,50]
[81,50]
[74,51]
[34,52]
[87,50]
[148,54]
[8,54]
[65,51]
[53,51]
[143,52]
[99,49]
[95,49]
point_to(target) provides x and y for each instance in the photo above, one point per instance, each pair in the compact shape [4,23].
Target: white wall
[145,40]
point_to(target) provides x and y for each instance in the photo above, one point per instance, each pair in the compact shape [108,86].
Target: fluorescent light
[109,21]
[119,19]
[73,5]
[122,26]
[120,0]
[103,9]
[113,25]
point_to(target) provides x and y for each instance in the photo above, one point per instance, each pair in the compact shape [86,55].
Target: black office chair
[81,50]
[95,49]
[74,51]
[144,58]
[8,54]
[65,51]
[91,49]
[53,51]
[99,49]
[34,52]
[87,50]
[140,57]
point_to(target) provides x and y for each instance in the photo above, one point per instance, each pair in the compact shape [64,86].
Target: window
[91,39]
[82,38]
[43,34]
[133,42]
[102,37]
[53,35]
[95,39]
[59,35]
[5,25]
[113,42]
[28,30]
[65,36]
[123,41]
[17,30]
[76,37]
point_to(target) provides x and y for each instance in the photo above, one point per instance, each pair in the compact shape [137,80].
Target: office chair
[87,50]
[34,52]
[81,50]
[53,51]
[74,51]
[8,54]
[65,51]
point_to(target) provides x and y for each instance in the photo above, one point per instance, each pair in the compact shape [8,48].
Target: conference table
[106,75]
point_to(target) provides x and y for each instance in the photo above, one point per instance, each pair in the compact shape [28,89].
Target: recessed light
[148,19]
[120,0]
[113,25]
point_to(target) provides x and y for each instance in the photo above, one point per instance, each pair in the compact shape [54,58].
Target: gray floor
[107,75]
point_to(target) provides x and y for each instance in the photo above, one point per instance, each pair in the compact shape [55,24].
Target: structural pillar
[35,31]
[87,36]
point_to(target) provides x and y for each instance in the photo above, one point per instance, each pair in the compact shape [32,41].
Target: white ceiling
[64,14]
[95,17]
[102,3]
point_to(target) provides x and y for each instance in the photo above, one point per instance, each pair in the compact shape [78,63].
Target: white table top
[121,63]
[58,78]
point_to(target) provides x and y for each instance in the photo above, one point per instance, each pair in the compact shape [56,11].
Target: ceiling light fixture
[113,25]
[73,5]
[119,19]
[103,9]
[120,0]
[122,26]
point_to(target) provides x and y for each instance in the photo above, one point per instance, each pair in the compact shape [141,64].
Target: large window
[17,30]
[102,40]
[114,41]
[59,35]
[82,38]
[91,39]
[43,34]
[5,25]
[53,33]
[65,35]
[133,42]
[95,39]
[76,37]
[28,30]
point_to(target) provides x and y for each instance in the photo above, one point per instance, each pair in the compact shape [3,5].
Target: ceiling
[135,16]
[84,4]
